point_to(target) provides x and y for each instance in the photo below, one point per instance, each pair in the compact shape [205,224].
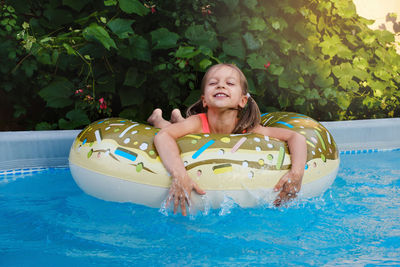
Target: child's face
[223,89]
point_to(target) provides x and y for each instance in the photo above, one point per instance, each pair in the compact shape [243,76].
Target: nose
[220,85]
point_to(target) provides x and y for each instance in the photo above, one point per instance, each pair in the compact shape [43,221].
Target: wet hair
[249,116]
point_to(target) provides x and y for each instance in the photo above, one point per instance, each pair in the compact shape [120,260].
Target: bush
[70,62]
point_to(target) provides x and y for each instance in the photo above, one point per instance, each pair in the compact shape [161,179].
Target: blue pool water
[46,220]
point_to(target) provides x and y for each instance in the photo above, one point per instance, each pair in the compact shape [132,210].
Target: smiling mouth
[221,95]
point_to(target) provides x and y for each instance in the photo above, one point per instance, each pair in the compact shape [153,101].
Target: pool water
[46,220]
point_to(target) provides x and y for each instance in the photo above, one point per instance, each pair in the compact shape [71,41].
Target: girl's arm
[168,150]
[289,185]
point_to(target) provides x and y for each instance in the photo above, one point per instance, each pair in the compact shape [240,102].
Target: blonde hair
[249,116]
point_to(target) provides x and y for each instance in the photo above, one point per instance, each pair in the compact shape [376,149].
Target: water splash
[226,206]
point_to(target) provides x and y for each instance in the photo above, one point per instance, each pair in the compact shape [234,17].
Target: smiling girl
[225,107]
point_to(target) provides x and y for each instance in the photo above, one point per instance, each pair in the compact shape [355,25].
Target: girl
[225,107]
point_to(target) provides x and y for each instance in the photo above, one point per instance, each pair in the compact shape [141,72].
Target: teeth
[220,95]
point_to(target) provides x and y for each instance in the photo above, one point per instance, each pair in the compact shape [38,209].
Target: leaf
[76,4]
[284,81]
[333,46]
[278,23]
[276,69]
[344,72]
[360,63]
[133,6]
[162,38]
[257,24]
[110,2]
[251,42]
[96,32]
[343,100]
[367,38]
[376,84]
[298,88]
[299,101]
[369,102]
[133,78]
[250,4]
[205,63]
[57,94]
[76,118]
[382,74]
[283,100]
[43,57]
[187,52]
[312,94]
[329,92]
[121,27]
[228,25]
[70,50]
[138,48]
[234,47]
[256,61]
[29,67]
[323,82]
[201,37]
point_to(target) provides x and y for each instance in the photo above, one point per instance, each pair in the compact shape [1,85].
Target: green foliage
[68,62]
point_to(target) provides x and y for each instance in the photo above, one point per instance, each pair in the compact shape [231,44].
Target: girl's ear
[203,101]
[243,101]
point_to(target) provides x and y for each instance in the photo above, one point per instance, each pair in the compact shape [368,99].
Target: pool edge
[27,149]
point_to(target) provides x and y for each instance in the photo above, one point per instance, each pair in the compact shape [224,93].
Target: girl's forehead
[225,72]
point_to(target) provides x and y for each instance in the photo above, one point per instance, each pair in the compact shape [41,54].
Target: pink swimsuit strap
[204,122]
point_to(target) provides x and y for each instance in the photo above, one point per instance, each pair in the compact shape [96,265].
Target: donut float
[114,159]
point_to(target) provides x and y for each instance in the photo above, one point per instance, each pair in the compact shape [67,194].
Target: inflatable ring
[115,160]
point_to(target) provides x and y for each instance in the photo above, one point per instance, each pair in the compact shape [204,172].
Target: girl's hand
[289,185]
[180,192]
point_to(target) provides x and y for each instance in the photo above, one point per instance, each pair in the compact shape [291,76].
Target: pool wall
[31,149]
